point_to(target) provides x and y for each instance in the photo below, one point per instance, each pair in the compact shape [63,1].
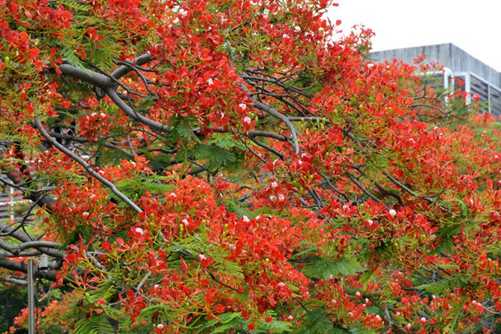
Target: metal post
[489,97]
[467,88]
[448,83]
[31,297]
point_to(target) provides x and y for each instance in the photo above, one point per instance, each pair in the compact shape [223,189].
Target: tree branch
[21,267]
[90,77]
[154,125]
[122,70]
[271,111]
[86,166]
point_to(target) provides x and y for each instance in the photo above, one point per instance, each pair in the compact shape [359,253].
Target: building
[12,203]
[460,68]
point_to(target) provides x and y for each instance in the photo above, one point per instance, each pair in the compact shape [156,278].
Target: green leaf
[94,325]
[464,208]
[105,291]
[362,330]
[183,129]
[105,53]
[215,156]
[374,310]
[228,321]
[222,324]
[69,56]
[275,326]
[229,267]
[446,234]
[136,187]
[324,268]
[451,327]
[226,141]
[318,322]
[239,209]
[443,285]
[75,5]
[161,310]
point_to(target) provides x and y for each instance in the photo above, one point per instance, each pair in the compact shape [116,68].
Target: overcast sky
[474,26]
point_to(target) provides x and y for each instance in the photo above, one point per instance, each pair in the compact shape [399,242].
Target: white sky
[474,26]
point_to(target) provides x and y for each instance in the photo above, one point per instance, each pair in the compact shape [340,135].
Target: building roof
[448,55]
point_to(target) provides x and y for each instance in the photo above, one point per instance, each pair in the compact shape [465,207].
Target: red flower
[205,261]
[93,34]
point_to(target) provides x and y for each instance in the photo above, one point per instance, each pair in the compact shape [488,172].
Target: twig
[25,217]
[268,134]
[268,148]
[143,280]
[361,187]
[268,109]
[123,70]
[222,283]
[307,118]
[135,68]
[273,112]
[248,78]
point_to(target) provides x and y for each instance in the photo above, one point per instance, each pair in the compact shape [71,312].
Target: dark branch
[154,125]
[21,267]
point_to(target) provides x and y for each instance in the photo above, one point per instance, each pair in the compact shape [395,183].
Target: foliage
[240,166]
[13,300]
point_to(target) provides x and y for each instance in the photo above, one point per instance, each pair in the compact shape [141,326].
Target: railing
[488,94]
[10,200]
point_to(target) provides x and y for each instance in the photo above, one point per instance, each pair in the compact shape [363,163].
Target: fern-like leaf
[94,325]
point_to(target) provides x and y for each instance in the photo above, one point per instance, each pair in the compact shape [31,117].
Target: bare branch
[98,142]
[14,280]
[135,68]
[340,195]
[38,244]
[256,133]
[307,118]
[91,77]
[268,148]
[273,112]
[143,281]
[123,69]
[275,81]
[154,125]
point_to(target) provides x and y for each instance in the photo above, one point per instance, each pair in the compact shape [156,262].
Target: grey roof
[448,55]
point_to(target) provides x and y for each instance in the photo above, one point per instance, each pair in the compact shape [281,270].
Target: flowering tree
[238,166]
